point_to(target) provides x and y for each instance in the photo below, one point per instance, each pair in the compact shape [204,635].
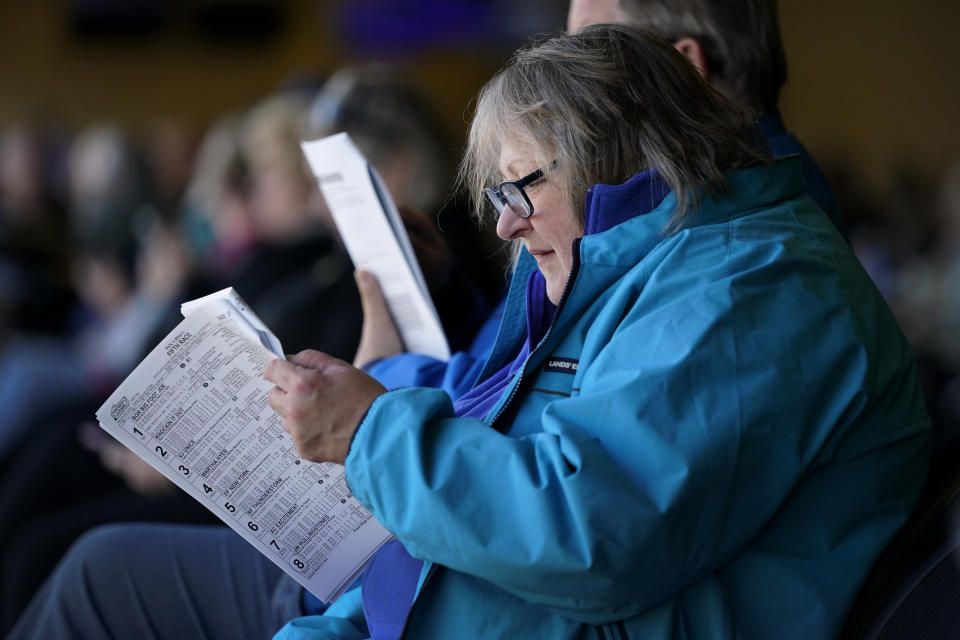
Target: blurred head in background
[35,291]
[393,127]
[169,149]
[281,187]
[108,207]
[216,208]
[22,182]
[736,44]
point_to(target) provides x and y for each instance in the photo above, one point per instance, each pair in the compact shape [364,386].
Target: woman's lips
[541,256]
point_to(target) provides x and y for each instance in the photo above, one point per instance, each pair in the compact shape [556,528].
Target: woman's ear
[692,51]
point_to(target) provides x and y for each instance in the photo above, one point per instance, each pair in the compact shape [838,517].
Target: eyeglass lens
[515,199]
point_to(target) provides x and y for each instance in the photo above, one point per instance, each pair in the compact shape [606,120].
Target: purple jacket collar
[608,205]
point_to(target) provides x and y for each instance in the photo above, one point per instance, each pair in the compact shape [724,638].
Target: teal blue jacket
[741,435]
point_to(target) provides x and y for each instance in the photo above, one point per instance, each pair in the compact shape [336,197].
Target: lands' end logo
[117,410]
[561,365]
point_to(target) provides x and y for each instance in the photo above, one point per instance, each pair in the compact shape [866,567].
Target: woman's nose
[510,226]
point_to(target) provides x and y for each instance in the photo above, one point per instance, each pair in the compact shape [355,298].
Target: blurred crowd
[907,235]
[104,232]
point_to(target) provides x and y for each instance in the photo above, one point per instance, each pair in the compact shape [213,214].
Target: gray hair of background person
[393,127]
[740,40]
[606,103]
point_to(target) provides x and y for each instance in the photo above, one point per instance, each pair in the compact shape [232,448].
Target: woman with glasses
[699,420]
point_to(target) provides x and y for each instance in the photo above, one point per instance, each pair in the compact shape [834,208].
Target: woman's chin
[555,288]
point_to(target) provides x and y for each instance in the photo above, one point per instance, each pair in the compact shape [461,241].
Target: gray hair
[740,40]
[606,103]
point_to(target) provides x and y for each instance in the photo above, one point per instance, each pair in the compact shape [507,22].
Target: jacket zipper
[574,271]
[406,621]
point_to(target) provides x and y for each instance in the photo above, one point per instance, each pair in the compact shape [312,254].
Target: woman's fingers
[371,297]
[379,337]
[277,398]
[311,359]
[282,373]
[320,401]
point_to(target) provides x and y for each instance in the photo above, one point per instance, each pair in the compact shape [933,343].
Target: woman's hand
[379,337]
[321,401]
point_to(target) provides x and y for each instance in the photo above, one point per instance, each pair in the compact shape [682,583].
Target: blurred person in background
[295,270]
[35,292]
[926,292]
[393,128]
[130,266]
[133,268]
[947,256]
[115,220]
[169,153]
[736,45]
[216,209]
[947,405]
[108,209]
[907,240]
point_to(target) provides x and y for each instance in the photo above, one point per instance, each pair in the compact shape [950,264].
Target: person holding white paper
[699,418]
[673,417]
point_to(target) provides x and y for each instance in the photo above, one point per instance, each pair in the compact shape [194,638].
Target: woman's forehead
[518,157]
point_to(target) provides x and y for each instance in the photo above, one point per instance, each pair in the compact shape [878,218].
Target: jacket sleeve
[455,376]
[683,441]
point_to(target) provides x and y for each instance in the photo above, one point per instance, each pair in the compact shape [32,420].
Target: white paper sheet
[376,240]
[196,409]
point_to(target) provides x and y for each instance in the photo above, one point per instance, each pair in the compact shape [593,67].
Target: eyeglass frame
[495,194]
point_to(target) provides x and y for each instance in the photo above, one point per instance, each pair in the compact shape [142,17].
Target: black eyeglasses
[511,194]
